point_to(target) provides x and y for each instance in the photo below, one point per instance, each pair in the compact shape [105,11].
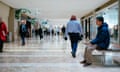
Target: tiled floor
[48,55]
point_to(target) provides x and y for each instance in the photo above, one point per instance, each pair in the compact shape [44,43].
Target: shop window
[111,18]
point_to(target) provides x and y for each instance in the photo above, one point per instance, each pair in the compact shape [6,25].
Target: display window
[110,15]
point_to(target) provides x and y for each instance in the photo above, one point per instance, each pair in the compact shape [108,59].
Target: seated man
[101,42]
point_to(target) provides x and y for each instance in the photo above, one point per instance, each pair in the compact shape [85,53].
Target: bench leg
[104,58]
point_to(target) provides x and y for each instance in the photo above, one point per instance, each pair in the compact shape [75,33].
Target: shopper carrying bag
[3,34]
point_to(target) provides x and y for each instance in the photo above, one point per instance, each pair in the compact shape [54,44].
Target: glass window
[111,18]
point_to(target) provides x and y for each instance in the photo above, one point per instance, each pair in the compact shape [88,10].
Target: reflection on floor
[47,55]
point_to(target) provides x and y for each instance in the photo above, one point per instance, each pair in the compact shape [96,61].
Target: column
[11,19]
[119,21]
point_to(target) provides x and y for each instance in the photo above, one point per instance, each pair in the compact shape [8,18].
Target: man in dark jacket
[22,31]
[101,42]
[3,34]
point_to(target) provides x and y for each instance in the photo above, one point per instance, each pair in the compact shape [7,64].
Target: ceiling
[56,8]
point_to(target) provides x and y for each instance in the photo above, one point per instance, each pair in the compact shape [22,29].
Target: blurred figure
[58,31]
[63,30]
[45,32]
[33,32]
[3,34]
[115,32]
[52,32]
[36,27]
[40,33]
[23,31]
[74,31]
[101,42]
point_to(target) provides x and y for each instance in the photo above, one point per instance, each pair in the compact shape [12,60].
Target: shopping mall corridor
[47,55]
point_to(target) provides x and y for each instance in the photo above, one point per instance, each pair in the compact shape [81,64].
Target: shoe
[83,62]
[87,64]
[73,55]
[23,44]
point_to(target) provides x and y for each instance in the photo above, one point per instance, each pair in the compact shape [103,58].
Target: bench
[116,59]
[103,54]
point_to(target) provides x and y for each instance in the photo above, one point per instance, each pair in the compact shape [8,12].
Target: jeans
[23,39]
[74,37]
[1,45]
[74,45]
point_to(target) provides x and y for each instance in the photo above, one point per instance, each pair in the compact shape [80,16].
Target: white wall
[4,12]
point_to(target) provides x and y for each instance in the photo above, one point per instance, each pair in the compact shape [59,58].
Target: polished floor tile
[47,55]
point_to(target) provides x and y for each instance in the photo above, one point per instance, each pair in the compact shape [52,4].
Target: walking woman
[74,31]
[3,34]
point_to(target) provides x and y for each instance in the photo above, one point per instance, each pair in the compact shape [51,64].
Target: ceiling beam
[100,8]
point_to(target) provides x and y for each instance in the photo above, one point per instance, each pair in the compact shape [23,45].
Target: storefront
[89,27]
[110,15]
[110,12]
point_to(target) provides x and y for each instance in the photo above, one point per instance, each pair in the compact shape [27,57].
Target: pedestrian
[36,27]
[74,31]
[40,33]
[101,42]
[52,32]
[3,34]
[23,31]
[63,30]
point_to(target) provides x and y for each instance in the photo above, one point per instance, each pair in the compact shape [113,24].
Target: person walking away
[36,26]
[63,30]
[3,34]
[23,31]
[74,31]
[52,32]
[101,42]
[40,33]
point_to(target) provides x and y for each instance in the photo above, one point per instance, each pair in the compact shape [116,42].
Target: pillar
[11,19]
[119,21]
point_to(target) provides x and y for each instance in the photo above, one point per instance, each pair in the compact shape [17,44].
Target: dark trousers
[74,45]
[36,33]
[23,38]
[41,36]
[1,45]
[74,37]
